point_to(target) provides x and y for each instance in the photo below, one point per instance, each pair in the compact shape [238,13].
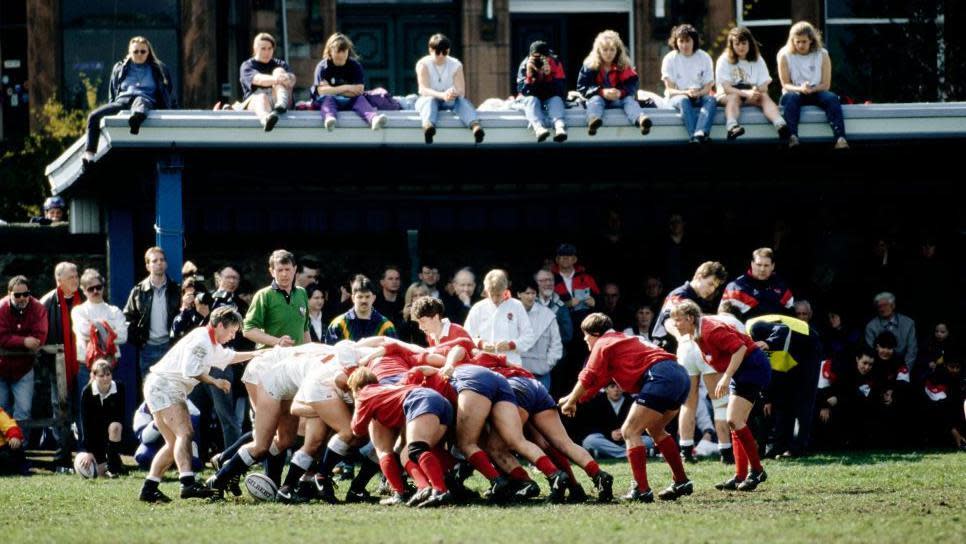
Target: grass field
[871,497]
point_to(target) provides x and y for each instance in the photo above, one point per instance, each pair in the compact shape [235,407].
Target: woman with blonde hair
[266,82]
[688,75]
[140,82]
[339,84]
[608,80]
[499,323]
[805,70]
[742,78]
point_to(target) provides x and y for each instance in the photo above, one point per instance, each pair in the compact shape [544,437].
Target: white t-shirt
[441,78]
[193,355]
[802,68]
[507,322]
[743,72]
[695,71]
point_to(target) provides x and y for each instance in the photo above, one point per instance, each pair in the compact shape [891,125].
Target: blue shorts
[391,380]
[531,395]
[753,376]
[485,382]
[666,387]
[422,401]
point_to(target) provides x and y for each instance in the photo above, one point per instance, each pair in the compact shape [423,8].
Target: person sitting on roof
[339,84]
[442,87]
[266,82]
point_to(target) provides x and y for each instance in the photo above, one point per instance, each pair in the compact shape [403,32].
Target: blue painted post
[121,279]
[169,222]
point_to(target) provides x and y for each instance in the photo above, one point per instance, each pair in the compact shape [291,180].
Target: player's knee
[416,449]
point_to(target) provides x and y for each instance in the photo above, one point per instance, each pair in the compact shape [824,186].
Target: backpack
[100,343]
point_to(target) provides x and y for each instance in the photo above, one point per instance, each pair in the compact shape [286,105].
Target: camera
[537,62]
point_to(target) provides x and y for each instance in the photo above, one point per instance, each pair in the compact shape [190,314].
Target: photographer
[542,83]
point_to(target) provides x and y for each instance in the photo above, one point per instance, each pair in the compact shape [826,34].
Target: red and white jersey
[450,331]
[621,358]
[719,341]
[935,391]
[826,375]
[193,355]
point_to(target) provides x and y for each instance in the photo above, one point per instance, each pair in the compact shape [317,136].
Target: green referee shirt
[279,313]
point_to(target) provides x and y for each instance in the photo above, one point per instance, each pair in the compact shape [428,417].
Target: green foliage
[865,497]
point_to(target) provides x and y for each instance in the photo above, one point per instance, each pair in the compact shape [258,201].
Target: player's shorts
[161,393]
[531,395]
[278,386]
[316,391]
[485,382]
[689,356]
[666,387]
[422,401]
[391,380]
[254,371]
[753,376]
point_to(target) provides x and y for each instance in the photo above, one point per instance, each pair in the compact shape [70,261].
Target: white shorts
[278,386]
[689,356]
[160,393]
[254,370]
[317,392]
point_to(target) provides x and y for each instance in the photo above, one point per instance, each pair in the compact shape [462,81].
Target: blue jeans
[22,391]
[696,120]
[224,406]
[597,104]
[428,108]
[601,447]
[792,103]
[539,111]
[150,354]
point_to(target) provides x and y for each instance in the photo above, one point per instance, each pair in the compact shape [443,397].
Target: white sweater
[508,322]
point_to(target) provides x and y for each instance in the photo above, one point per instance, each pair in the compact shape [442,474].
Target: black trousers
[134,103]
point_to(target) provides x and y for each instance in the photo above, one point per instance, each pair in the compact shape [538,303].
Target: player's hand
[502,345]
[616,435]
[824,414]
[721,389]
[31,343]
[224,385]
[14,443]
[488,347]
[766,409]
[447,371]
[285,341]
[568,406]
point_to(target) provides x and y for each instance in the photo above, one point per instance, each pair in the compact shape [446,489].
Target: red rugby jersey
[384,403]
[451,331]
[719,341]
[621,358]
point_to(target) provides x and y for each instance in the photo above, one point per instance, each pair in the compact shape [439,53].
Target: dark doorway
[571,35]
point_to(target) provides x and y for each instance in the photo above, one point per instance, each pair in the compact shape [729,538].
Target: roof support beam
[169,220]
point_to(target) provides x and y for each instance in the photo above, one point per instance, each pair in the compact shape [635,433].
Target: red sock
[741,460]
[637,457]
[392,471]
[592,469]
[445,458]
[433,470]
[481,462]
[672,455]
[561,461]
[416,474]
[546,466]
[519,474]
[751,447]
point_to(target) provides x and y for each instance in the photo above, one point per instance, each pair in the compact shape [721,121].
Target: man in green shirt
[279,314]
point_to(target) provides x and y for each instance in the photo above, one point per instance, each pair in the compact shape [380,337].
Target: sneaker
[593,124]
[727,456]
[637,495]
[604,484]
[793,141]
[234,485]
[542,133]
[419,497]
[270,122]
[357,496]
[154,496]
[379,121]
[784,132]
[478,133]
[841,143]
[287,495]
[135,120]
[576,494]
[196,490]
[436,499]
[499,488]
[558,486]
[330,123]
[735,131]
[429,131]
[751,482]
[675,490]
[729,485]
[644,123]
[560,134]
[687,452]
[280,108]
[325,490]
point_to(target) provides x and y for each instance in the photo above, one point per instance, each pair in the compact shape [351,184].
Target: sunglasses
[139,52]
[94,288]
[25,294]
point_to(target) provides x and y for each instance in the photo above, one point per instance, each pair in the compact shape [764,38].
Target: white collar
[97,392]
[444,332]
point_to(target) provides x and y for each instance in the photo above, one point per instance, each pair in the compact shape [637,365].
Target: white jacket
[508,322]
[548,349]
[84,315]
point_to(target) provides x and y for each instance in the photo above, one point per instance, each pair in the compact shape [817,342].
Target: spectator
[429,277]
[901,326]
[389,302]
[608,80]
[279,313]
[760,291]
[576,288]
[549,298]
[189,271]
[934,352]
[140,82]
[604,416]
[677,252]
[643,321]
[59,303]
[316,302]
[943,402]
[339,84]
[547,349]
[805,71]
[688,75]
[12,459]
[102,413]
[362,320]
[742,78]
[266,82]
[188,316]
[803,311]
[837,337]
[23,327]
[542,83]
[100,328]
[614,307]
[653,291]
[150,310]
[55,211]
[893,373]
[849,398]
[307,273]
[499,323]
[464,294]
[411,333]
[442,87]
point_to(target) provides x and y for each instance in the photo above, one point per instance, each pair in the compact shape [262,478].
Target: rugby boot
[729,485]
[687,453]
[576,493]
[558,486]
[728,456]
[196,490]
[751,482]
[288,495]
[499,489]
[325,489]
[675,490]
[604,484]
[637,495]
[153,495]
[420,496]
[436,499]
[525,489]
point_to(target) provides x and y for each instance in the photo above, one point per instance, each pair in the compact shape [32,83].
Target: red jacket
[14,327]
[582,280]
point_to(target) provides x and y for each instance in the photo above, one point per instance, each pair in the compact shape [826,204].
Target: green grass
[852,498]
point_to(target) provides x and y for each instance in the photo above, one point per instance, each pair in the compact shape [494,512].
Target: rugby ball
[85,465]
[260,487]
